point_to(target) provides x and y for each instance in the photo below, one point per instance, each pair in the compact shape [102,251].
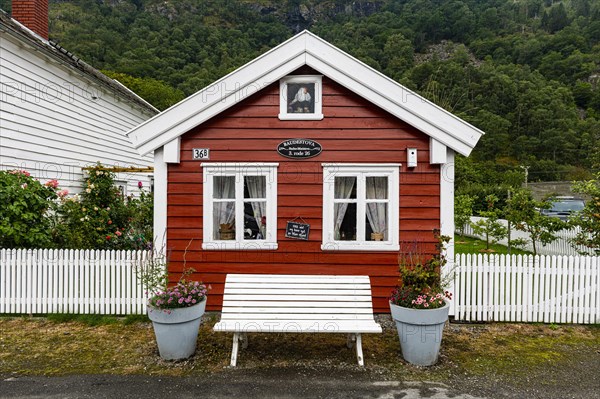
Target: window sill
[239,246]
[364,246]
[300,117]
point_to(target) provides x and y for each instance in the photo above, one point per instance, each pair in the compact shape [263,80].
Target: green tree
[102,218]
[588,220]
[523,211]
[489,226]
[157,93]
[463,210]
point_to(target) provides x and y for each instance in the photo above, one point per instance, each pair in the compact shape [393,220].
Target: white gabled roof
[306,49]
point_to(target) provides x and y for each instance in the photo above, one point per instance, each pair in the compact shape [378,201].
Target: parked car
[563,207]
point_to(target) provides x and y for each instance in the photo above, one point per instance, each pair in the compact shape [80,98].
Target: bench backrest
[297,297]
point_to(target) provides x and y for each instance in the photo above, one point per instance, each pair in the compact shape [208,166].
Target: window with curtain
[240,210]
[360,207]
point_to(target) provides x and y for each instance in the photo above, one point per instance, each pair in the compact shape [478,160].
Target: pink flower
[180,300]
[118,233]
[140,185]
[20,172]
[52,183]
[63,193]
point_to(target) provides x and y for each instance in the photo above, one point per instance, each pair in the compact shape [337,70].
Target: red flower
[108,237]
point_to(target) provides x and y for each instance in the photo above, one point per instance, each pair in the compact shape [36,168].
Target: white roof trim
[306,49]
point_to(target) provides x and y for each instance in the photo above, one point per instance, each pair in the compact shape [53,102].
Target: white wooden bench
[297,304]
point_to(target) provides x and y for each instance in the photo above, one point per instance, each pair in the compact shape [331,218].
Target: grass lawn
[468,245]
[46,346]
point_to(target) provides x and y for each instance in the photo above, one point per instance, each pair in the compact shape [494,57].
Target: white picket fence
[561,246]
[517,288]
[44,281]
[521,288]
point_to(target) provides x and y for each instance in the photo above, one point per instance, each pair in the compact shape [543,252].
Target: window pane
[255,187]
[376,228]
[224,187]
[301,98]
[224,220]
[345,187]
[344,221]
[255,220]
[377,187]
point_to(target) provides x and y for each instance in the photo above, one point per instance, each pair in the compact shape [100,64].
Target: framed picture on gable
[301,97]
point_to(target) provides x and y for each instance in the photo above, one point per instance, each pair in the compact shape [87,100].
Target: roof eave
[306,49]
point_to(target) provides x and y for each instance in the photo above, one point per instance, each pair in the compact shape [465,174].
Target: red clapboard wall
[353,131]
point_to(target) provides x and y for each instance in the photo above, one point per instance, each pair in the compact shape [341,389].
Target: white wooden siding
[51,126]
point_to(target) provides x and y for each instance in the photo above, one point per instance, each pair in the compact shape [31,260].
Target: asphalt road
[231,384]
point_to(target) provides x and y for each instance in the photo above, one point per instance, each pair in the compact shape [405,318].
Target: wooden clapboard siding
[51,126]
[352,131]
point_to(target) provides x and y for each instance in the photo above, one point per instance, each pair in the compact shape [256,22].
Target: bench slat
[295,298]
[288,285]
[294,316]
[308,326]
[241,303]
[293,278]
[297,291]
[299,309]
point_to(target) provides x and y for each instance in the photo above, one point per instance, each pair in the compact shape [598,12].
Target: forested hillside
[525,71]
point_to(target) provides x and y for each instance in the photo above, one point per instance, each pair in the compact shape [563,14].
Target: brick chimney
[33,14]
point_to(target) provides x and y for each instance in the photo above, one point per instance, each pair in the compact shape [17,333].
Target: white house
[59,114]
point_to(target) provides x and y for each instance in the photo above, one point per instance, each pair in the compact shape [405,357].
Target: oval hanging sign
[299,148]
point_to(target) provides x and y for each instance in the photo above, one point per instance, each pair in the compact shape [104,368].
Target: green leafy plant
[102,218]
[420,283]
[184,294]
[24,214]
[524,213]
[489,227]
[463,210]
[588,220]
[155,278]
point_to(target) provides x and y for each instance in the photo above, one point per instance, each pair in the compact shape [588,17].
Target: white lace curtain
[377,188]
[342,190]
[257,188]
[223,211]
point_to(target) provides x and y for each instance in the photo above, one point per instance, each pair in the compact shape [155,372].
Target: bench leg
[244,340]
[359,352]
[234,349]
[351,340]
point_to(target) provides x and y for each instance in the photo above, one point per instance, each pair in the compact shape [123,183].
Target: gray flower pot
[176,330]
[420,332]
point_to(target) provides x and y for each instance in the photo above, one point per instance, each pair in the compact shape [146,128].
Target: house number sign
[201,153]
[299,148]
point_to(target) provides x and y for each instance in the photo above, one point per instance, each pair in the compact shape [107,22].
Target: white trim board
[306,49]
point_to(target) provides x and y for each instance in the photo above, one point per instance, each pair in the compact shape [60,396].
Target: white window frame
[239,170]
[283,107]
[360,171]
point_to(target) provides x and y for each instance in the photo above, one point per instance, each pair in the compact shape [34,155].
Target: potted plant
[175,311]
[418,305]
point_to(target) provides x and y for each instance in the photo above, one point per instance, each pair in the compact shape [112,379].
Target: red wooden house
[303,161]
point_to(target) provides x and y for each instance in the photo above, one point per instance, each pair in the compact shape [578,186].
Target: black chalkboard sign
[296,230]
[299,148]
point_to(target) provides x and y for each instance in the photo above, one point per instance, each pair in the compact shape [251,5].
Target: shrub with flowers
[102,218]
[25,210]
[421,286]
[184,294]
